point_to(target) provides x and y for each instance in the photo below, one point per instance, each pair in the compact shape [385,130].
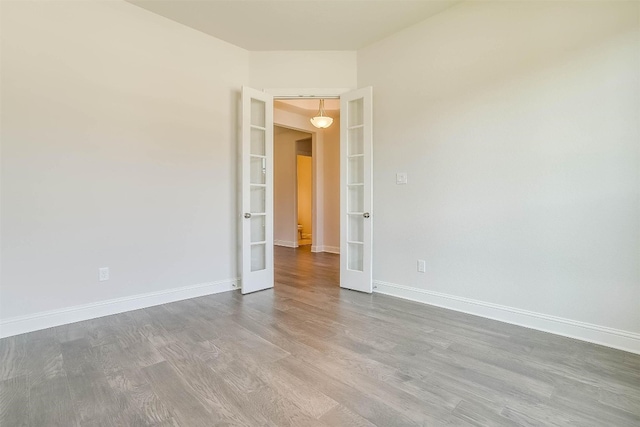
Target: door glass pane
[355,256]
[356,141]
[356,112]
[355,171]
[258,113]
[258,233]
[356,199]
[257,142]
[356,228]
[258,170]
[258,197]
[258,257]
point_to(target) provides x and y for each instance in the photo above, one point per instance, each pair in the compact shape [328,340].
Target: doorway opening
[306,194]
[304,172]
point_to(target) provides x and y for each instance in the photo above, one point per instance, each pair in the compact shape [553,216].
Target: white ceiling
[307,106]
[297,24]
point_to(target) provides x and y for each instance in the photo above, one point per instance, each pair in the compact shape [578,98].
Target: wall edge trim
[285,243]
[331,249]
[48,319]
[602,335]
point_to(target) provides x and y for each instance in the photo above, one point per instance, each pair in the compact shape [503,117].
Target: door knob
[247,215]
[366,215]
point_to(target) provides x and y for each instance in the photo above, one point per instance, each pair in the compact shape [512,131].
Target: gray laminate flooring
[310,354]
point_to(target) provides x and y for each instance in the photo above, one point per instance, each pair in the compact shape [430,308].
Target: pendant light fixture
[321,121]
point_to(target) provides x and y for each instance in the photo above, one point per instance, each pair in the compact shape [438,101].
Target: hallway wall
[284,183]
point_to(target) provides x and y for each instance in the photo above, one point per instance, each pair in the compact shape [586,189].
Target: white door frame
[317,157]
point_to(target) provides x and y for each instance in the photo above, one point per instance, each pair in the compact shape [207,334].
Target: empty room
[319,213]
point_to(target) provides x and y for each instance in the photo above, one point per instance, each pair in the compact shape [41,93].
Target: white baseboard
[324,248]
[34,322]
[615,338]
[331,249]
[285,243]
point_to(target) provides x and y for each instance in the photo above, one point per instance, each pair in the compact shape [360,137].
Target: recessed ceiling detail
[297,25]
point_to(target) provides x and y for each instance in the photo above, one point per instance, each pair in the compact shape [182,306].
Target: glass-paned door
[356,169]
[257,190]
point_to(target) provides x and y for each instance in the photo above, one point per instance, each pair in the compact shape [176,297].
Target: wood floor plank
[250,373]
[145,407]
[372,409]
[342,416]
[51,405]
[481,416]
[14,402]
[12,357]
[45,359]
[222,401]
[176,394]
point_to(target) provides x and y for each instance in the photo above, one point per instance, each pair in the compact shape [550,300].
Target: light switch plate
[401,178]
[103,274]
[422,266]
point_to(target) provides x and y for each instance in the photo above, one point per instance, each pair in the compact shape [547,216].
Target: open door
[257,190]
[356,193]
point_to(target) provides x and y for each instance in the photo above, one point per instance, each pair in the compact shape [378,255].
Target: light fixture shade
[321,121]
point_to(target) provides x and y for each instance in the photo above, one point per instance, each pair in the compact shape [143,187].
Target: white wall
[303,69]
[118,150]
[517,123]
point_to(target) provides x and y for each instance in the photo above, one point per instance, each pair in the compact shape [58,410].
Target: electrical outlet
[422,266]
[103,274]
[401,178]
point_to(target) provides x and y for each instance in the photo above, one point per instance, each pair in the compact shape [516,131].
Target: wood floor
[310,354]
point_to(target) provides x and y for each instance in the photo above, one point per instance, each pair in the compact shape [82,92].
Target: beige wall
[118,150]
[303,69]
[304,195]
[284,185]
[517,123]
[331,174]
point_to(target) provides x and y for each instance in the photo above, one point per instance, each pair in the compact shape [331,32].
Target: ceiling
[307,106]
[297,24]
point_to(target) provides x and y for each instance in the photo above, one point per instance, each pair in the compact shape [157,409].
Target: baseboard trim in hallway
[48,319]
[615,338]
[285,243]
[324,248]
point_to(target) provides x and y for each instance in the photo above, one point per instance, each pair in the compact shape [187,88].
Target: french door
[257,190]
[356,192]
